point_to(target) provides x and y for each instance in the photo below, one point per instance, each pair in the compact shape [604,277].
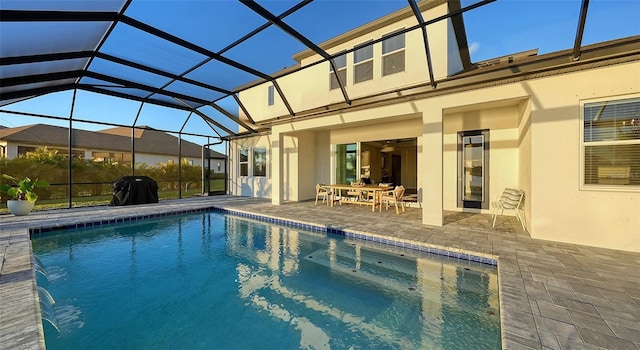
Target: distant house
[110,145]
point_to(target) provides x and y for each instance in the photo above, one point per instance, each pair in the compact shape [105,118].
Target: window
[363,64]
[111,158]
[393,54]
[341,65]
[611,143]
[219,166]
[244,162]
[270,95]
[260,162]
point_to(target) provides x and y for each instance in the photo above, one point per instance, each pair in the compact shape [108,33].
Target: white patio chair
[512,199]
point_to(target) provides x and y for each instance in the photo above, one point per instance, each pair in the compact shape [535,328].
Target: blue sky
[497,29]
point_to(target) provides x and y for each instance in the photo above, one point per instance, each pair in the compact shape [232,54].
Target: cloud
[474,47]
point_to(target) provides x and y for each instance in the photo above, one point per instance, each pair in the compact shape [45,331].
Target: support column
[430,164]
[277,182]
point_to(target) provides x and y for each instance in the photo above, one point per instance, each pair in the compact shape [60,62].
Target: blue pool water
[213,281]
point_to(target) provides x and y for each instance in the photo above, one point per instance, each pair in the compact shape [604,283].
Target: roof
[132,49]
[114,139]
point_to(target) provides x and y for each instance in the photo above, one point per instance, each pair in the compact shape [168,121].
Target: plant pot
[19,208]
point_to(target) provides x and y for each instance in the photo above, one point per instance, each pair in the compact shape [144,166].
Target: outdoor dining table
[375,189]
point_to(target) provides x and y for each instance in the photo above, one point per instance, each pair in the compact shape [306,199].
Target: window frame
[271,95]
[240,162]
[360,62]
[263,150]
[393,52]
[584,144]
[342,71]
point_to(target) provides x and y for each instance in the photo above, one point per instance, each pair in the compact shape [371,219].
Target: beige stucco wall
[524,154]
[534,128]
[548,156]
[300,169]
[561,210]
[502,123]
[310,87]
[535,145]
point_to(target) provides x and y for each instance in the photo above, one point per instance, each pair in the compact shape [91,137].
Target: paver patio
[552,295]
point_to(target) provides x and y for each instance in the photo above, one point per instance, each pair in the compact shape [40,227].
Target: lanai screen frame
[73,69]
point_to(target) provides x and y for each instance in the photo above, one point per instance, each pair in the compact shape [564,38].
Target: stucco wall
[561,210]
[250,186]
[524,154]
[310,87]
[548,120]
[502,123]
[535,145]
[534,128]
[307,170]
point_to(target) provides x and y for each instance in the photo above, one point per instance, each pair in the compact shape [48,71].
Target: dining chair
[394,196]
[355,194]
[323,192]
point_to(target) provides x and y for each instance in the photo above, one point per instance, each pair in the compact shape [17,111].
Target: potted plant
[23,193]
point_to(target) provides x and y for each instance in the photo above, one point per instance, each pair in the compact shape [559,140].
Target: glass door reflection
[473,169]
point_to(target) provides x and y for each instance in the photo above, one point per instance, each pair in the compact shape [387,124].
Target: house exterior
[109,145]
[564,129]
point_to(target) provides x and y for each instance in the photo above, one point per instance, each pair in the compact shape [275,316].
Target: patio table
[375,189]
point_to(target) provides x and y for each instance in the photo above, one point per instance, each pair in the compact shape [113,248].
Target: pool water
[214,281]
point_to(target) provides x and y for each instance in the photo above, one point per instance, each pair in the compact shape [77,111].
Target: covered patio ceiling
[194,56]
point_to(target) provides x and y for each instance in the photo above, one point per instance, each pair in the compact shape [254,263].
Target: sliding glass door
[346,163]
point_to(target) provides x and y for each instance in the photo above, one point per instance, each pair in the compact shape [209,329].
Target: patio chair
[371,196]
[354,196]
[511,198]
[323,192]
[394,196]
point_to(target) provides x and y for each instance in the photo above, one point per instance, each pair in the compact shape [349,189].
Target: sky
[493,30]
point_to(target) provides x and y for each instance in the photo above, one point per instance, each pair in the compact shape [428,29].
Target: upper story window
[363,64]
[260,162]
[243,162]
[393,53]
[270,95]
[341,65]
[611,143]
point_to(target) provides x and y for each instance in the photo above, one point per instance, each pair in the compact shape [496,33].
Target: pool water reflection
[216,281]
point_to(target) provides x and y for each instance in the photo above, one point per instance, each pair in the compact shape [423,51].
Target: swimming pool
[210,280]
